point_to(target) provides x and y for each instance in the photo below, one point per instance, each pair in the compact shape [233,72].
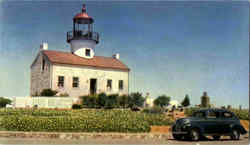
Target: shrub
[89,101]
[190,111]
[102,99]
[48,92]
[4,102]
[77,106]
[64,95]
[111,101]
[136,99]
[123,101]
[154,110]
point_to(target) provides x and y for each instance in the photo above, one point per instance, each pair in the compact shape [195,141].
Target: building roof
[59,57]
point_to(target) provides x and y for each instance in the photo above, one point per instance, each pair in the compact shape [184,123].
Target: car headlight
[186,121]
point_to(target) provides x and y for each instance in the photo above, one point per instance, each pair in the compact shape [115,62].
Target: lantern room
[82,38]
[82,28]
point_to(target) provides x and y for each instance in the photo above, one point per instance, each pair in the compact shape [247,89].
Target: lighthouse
[82,38]
[79,71]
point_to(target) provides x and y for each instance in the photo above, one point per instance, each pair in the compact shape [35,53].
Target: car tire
[216,137]
[177,136]
[235,135]
[194,134]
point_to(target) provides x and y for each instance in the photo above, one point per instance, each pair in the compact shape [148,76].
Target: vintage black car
[208,122]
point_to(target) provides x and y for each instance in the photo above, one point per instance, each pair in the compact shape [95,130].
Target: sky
[172,48]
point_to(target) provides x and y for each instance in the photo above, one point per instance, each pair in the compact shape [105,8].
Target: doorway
[93,86]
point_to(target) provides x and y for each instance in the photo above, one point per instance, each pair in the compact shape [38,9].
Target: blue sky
[172,48]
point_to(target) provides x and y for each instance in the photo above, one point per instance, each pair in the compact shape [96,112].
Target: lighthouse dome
[83,17]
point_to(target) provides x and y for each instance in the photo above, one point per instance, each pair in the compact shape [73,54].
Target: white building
[79,72]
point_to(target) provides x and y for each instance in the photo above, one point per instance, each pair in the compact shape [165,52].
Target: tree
[162,101]
[186,101]
[136,100]
[4,102]
[48,92]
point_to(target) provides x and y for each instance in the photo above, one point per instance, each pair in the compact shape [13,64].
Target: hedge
[86,121]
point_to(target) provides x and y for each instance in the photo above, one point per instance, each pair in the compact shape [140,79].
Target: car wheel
[235,135]
[216,137]
[194,135]
[177,136]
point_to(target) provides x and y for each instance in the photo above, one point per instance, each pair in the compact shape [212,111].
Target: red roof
[59,57]
[82,16]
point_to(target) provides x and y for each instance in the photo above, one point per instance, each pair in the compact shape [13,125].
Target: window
[43,64]
[87,52]
[213,114]
[109,84]
[120,84]
[60,81]
[75,83]
[199,114]
[227,115]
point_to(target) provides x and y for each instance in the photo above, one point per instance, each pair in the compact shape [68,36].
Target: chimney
[44,46]
[116,56]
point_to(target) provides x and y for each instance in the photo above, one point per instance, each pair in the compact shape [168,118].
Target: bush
[64,95]
[136,100]
[123,101]
[83,121]
[77,106]
[4,102]
[154,110]
[190,111]
[90,101]
[102,100]
[112,101]
[48,92]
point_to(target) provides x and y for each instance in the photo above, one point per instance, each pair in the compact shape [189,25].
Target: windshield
[199,114]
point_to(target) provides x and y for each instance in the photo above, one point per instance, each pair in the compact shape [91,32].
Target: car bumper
[180,132]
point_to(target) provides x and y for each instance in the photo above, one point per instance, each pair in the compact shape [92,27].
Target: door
[213,125]
[93,86]
[227,120]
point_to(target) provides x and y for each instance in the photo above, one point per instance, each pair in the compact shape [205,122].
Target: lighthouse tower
[82,39]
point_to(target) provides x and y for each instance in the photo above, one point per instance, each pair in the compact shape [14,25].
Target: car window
[227,115]
[199,114]
[213,114]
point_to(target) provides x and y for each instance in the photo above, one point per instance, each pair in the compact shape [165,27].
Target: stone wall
[39,79]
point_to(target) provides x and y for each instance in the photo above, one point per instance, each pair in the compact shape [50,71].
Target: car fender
[197,126]
[239,127]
